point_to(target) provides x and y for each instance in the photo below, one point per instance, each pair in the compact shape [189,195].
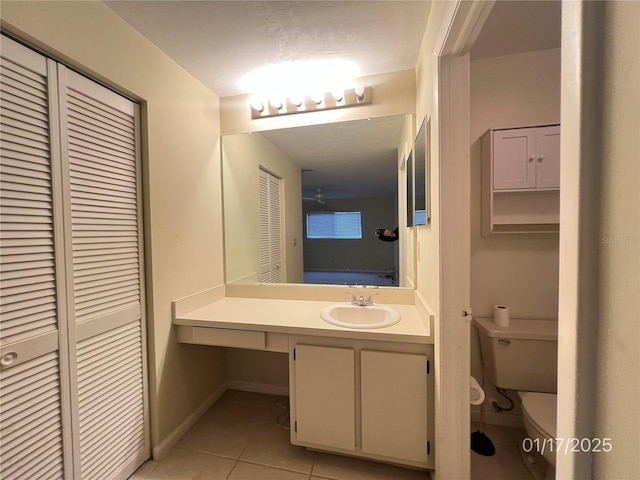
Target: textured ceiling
[219,42]
[348,159]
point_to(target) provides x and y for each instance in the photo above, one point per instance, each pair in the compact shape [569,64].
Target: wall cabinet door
[513,159]
[526,158]
[325,396]
[548,157]
[394,404]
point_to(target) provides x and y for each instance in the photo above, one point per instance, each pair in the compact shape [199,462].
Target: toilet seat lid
[541,408]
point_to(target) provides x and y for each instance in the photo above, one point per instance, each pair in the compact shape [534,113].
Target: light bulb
[296,100]
[276,103]
[257,105]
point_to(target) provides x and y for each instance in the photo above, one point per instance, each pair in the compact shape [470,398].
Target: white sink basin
[353,316]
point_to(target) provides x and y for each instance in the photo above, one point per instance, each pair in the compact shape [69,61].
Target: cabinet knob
[531,158]
[540,158]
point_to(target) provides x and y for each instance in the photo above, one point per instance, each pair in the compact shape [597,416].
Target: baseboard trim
[161,450]
[256,387]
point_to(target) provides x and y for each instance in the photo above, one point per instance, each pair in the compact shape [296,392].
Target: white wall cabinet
[526,158]
[521,180]
[366,399]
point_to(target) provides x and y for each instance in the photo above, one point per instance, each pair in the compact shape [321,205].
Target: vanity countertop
[301,317]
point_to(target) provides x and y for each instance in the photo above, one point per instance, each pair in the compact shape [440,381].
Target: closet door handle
[8,359]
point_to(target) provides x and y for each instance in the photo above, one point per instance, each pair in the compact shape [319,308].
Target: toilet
[523,356]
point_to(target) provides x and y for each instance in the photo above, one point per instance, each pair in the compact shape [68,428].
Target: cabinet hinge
[428,448]
[428,367]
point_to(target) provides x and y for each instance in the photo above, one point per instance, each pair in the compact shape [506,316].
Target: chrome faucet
[360,301]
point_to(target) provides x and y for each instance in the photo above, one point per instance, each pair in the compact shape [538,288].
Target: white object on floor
[477,393]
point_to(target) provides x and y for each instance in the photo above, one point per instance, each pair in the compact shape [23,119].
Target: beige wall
[618,337]
[242,156]
[599,351]
[182,187]
[518,270]
[406,244]
[427,250]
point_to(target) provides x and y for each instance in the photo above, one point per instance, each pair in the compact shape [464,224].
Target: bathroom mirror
[422,212]
[301,205]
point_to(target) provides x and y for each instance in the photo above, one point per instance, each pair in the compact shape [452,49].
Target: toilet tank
[522,356]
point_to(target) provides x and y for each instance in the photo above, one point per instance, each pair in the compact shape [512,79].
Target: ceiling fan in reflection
[318,197]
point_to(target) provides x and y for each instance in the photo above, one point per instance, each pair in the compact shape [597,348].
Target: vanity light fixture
[351,97]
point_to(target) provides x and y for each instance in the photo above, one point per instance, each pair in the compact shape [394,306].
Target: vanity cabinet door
[394,404]
[325,396]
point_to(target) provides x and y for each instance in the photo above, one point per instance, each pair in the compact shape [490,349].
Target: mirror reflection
[303,204]
[421,159]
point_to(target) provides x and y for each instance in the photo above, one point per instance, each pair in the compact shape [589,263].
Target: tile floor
[240,438]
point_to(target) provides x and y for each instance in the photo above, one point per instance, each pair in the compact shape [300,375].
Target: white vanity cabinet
[521,180]
[366,399]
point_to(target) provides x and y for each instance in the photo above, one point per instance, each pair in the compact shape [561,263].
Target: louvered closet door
[270,228]
[105,292]
[275,229]
[33,393]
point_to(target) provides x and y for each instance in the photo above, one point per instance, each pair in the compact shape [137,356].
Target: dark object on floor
[480,443]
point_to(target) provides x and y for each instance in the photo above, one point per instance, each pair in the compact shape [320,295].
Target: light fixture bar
[328,101]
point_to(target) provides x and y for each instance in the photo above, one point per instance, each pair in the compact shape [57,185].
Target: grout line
[313,464]
[204,452]
[236,464]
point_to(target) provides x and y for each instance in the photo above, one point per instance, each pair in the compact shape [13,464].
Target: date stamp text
[567,445]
